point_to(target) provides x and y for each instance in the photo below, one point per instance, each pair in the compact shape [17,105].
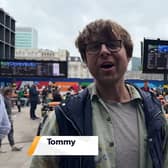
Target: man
[7,93]
[33,99]
[108,108]
[4,120]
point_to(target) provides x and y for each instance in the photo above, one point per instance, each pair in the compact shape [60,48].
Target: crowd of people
[161,93]
[29,96]
[32,96]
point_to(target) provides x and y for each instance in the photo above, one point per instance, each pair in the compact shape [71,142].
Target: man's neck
[113,92]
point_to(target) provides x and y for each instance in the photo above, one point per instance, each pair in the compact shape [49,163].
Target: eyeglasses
[94,48]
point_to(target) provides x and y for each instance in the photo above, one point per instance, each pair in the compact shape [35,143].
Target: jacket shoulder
[76,100]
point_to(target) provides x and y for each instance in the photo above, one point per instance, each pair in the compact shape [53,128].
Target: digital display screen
[155,58]
[27,68]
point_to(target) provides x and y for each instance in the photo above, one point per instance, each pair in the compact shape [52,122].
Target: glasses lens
[114,45]
[93,47]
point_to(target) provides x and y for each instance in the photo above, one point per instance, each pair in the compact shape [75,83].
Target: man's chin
[107,80]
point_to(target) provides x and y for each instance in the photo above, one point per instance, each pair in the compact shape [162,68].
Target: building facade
[41,54]
[7,35]
[26,37]
[62,54]
[77,69]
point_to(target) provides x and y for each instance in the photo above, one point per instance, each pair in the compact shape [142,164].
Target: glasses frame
[106,43]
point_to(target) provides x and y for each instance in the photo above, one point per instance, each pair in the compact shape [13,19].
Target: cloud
[58,22]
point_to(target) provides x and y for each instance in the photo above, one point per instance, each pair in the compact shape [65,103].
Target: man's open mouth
[106,65]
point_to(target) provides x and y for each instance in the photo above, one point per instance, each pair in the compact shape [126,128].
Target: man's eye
[93,47]
[112,45]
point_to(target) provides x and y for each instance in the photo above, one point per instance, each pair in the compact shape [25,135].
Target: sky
[59,22]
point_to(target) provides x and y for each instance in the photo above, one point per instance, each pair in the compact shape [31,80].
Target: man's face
[109,63]
[146,84]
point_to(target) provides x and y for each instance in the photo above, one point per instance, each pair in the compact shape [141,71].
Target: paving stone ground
[24,132]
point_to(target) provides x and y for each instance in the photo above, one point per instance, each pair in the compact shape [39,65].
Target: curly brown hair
[103,30]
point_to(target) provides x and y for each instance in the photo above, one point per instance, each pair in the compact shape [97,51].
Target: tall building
[26,37]
[136,64]
[7,36]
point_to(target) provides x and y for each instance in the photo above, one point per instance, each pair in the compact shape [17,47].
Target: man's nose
[104,50]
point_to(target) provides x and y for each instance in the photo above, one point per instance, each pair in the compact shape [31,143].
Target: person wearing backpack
[130,124]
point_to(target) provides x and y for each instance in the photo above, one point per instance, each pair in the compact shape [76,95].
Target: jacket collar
[134,93]
[76,106]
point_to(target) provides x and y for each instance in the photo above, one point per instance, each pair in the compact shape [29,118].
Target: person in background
[20,102]
[108,108]
[33,99]
[44,95]
[146,87]
[7,93]
[56,95]
[5,125]
[81,88]
[26,94]
[69,92]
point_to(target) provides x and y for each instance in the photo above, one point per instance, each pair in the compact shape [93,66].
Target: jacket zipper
[155,116]
[74,128]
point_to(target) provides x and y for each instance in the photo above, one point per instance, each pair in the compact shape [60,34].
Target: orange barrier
[53,104]
[64,86]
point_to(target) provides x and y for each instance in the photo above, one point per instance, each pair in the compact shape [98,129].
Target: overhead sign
[33,68]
